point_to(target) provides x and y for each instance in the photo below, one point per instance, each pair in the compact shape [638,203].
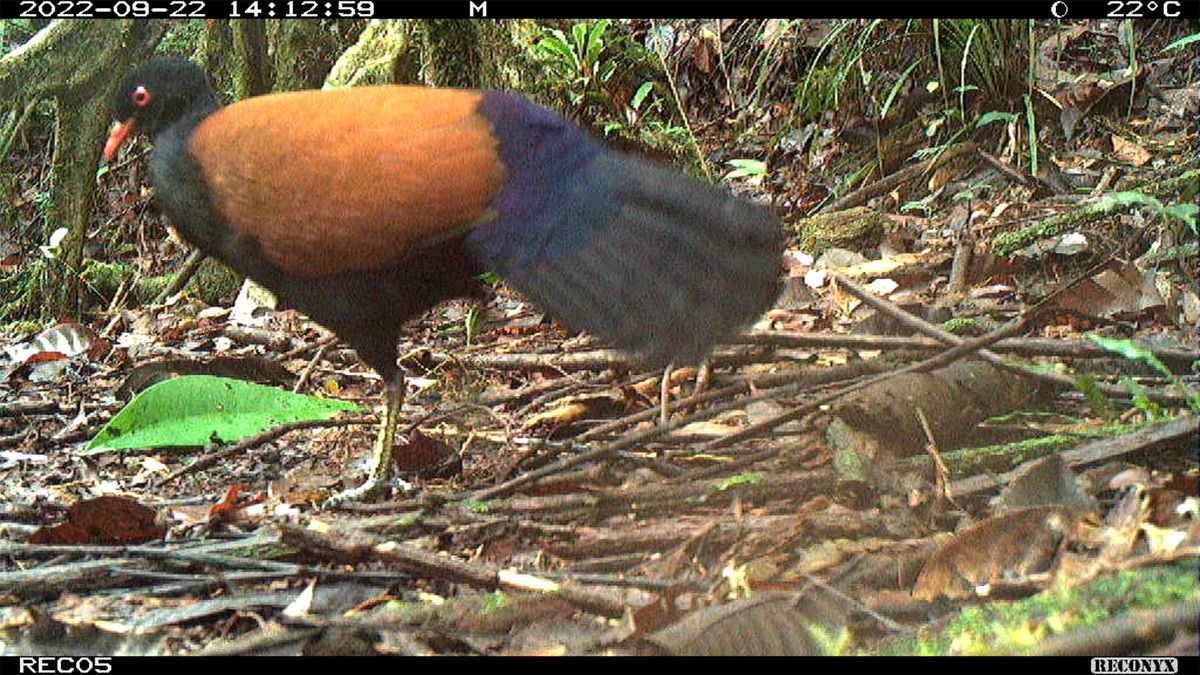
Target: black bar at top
[614,9]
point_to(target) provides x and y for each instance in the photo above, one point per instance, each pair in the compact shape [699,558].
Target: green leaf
[1140,400]
[746,167]
[1111,200]
[1031,132]
[1097,401]
[1130,350]
[738,479]
[1185,213]
[595,40]
[555,47]
[995,116]
[641,94]
[1136,352]
[490,602]
[471,323]
[477,506]
[579,38]
[887,104]
[192,409]
[1182,42]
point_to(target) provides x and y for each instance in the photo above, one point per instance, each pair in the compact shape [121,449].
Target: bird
[364,207]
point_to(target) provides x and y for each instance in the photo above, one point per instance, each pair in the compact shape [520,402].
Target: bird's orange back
[349,179]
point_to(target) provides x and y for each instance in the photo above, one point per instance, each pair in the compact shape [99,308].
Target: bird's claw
[370,491]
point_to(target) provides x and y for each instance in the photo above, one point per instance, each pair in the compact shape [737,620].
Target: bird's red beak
[116,136]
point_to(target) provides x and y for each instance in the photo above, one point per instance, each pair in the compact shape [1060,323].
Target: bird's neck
[187,115]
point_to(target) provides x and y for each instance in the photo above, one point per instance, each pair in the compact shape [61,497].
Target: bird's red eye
[140,96]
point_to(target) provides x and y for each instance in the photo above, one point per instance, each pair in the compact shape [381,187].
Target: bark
[302,52]
[252,74]
[216,47]
[383,54]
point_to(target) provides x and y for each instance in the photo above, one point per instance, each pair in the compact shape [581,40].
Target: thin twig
[1055,379]
[260,438]
[302,381]
[945,358]
[185,274]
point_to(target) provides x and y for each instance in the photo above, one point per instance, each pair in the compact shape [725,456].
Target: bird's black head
[154,96]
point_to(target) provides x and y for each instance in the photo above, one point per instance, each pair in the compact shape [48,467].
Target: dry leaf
[996,551]
[1128,151]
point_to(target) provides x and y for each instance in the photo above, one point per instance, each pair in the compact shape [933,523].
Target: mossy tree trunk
[303,52]
[252,72]
[384,53]
[74,63]
[451,53]
[81,120]
[216,46]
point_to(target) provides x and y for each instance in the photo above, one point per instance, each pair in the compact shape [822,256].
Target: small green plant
[1096,399]
[587,59]
[490,602]
[471,322]
[1140,399]
[477,506]
[996,116]
[1185,213]
[1136,352]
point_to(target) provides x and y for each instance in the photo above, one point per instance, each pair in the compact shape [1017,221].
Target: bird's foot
[371,491]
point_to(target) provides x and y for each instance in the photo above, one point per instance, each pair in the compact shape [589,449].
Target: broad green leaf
[579,37]
[595,40]
[192,409]
[1111,200]
[1185,213]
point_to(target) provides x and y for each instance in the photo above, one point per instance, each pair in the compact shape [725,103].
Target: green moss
[373,59]
[148,288]
[23,293]
[1018,627]
[970,461]
[103,278]
[183,39]
[1008,243]
[961,325]
[20,328]
[215,283]
[855,228]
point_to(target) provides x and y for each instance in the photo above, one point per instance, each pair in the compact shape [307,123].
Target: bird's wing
[351,179]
